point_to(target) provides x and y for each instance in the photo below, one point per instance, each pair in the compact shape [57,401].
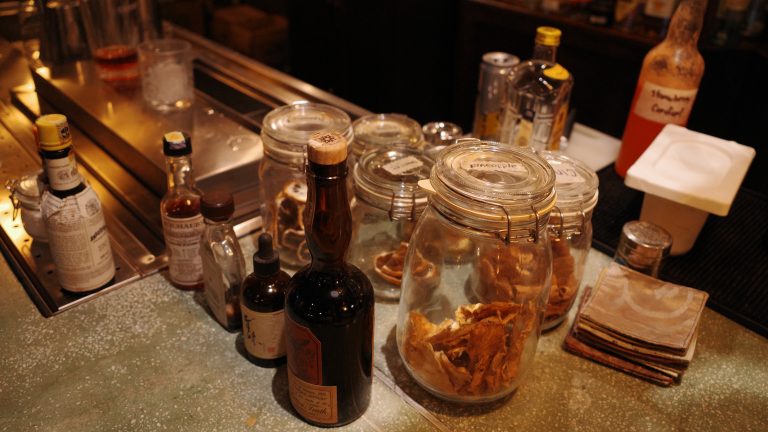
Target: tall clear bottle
[668,84]
[329,303]
[72,214]
[538,94]
[223,262]
[180,212]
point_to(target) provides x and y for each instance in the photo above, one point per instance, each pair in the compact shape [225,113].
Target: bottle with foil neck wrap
[72,213]
[538,94]
[329,303]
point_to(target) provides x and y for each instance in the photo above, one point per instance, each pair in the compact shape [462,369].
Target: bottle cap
[557,72]
[266,260]
[177,143]
[548,36]
[643,246]
[327,148]
[53,132]
[217,206]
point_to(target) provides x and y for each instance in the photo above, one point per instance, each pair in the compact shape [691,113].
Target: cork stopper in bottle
[327,148]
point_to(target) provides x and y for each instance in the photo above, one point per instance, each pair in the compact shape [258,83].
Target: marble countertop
[148,357]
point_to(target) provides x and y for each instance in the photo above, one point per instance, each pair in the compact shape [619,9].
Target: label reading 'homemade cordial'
[402,166]
[311,399]
[664,104]
[182,237]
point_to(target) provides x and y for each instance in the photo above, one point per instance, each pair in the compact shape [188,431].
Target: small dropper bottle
[262,306]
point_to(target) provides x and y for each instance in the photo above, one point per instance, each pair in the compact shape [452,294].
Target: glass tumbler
[166,74]
[468,324]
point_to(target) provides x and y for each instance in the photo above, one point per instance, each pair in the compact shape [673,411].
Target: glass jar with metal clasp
[285,134]
[385,131]
[25,196]
[388,201]
[467,330]
[570,232]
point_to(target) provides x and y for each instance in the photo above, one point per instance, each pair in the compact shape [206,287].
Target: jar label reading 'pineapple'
[402,166]
[309,397]
[182,238]
[264,333]
[664,104]
[62,173]
[484,165]
[79,241]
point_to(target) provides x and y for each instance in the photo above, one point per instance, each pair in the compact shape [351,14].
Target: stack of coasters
[639,325]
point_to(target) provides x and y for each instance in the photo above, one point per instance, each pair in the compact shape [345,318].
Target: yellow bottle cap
[53,132]
[548,36]
[557,72]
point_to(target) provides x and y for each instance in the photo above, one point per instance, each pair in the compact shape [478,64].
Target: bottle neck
[328,226]
[61,171]
[179,172]
[686,23]
[546,53]
[218,224]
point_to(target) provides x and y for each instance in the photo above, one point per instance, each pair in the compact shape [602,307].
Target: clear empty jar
[285,134]
[570,232]
[386,131]
[477,272]
[388,201]
[25,195]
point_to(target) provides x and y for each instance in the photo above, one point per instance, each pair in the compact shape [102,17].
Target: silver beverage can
[491,93]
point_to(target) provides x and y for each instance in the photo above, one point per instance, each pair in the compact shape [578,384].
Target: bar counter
[149,357]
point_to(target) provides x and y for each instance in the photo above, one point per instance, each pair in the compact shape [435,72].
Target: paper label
[62,173]
[78,239]
[664,105]
[215,289]
[566,174]
[495,166]
[313,402]
[182,238]
[264,333]
[402,166]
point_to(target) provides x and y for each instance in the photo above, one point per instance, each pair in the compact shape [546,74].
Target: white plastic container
[685,176]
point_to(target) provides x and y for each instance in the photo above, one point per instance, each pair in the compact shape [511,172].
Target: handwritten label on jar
[402,166]
[664,104]
[493,166]
[182,237]
[566,174]
[264,333]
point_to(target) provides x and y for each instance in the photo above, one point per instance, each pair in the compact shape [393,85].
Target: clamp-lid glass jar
[388,201]
[25,196]
[467,329]
[285,134]
[570,232]
[385,131]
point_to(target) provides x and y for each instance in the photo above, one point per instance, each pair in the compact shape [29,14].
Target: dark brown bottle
[329,303]
[262,305]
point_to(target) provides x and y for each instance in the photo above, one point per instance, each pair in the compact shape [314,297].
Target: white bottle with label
[72,213]
[262,305]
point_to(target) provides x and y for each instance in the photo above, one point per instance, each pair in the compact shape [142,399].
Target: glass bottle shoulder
[531,76]
[673,65]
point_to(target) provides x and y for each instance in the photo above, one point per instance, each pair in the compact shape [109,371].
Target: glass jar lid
[286,129]
[576,186]
[387,131]
[490,187]
[388,180]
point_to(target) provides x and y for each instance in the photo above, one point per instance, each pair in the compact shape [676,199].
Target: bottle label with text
[264,333]
[62,173]
[182,238]
[664,104]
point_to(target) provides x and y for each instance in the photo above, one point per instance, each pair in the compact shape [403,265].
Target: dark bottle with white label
[262,306]
[329,303]
[180,212]
[72,213]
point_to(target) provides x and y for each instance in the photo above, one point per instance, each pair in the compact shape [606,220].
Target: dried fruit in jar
[477,353]
[389,265]
[564,287]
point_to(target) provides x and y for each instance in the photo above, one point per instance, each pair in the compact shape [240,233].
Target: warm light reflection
[110,109]
[80,73]
[44,72]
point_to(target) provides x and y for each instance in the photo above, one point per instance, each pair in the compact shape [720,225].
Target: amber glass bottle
[329,303]
[180,212]
[262,305]
[668,83]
